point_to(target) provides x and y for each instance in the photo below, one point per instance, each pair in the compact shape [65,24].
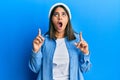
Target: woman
[60,54]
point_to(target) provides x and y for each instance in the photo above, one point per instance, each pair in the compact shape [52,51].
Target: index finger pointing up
[39,32]
[81,39]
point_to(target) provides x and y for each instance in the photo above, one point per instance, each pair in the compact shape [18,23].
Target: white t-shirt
[61,61]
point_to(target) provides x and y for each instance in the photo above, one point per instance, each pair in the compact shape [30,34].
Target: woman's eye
[64,14]
[55,14]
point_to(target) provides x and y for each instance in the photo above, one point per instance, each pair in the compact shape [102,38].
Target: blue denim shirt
[42,61]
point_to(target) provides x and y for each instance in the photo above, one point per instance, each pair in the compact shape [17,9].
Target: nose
[60,17]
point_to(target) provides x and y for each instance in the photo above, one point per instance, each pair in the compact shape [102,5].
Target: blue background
[99,20]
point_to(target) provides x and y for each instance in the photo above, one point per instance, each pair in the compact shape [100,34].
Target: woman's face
[60,19]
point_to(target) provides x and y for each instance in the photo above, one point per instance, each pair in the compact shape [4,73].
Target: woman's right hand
[38,41]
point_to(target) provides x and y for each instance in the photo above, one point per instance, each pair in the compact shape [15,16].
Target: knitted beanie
[57,4]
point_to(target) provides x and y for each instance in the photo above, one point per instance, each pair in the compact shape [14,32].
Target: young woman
[60,54]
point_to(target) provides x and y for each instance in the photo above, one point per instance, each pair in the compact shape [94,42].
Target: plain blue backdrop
[99,20]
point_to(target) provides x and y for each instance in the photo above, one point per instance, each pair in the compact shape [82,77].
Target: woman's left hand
[82,45]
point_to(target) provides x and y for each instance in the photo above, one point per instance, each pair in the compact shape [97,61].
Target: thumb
[75,44]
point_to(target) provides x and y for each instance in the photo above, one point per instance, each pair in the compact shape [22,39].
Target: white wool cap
[57,4]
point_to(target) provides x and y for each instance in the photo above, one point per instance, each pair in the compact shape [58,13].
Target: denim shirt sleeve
[85,63]
[84,59]
[35,61]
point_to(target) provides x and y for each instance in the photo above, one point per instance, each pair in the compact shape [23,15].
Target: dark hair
[69,33]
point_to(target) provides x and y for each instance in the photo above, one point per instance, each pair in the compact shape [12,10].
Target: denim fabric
[42,62]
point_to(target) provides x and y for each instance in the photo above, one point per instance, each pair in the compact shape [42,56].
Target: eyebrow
[60,12]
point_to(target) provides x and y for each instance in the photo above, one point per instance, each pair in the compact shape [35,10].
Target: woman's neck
[59,35]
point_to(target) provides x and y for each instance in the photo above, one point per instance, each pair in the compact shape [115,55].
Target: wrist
[35,51]
[86,52]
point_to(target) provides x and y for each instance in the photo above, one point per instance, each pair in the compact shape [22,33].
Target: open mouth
[60,24]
